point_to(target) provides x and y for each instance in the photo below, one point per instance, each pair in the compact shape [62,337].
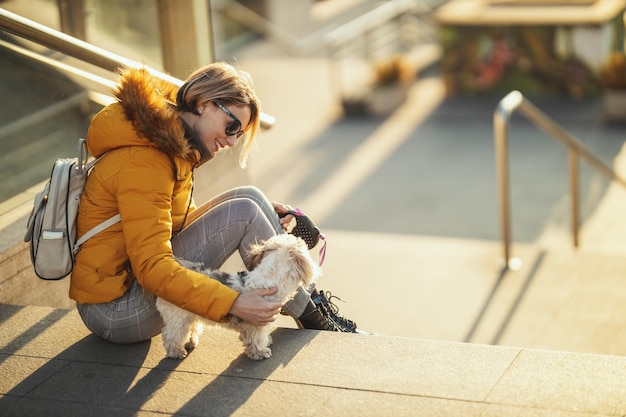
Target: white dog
[282,261]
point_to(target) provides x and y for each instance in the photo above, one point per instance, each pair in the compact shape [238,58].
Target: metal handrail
[361,38]
[261,25]
[515,101]
[83,51]
[372,20]
[323,38]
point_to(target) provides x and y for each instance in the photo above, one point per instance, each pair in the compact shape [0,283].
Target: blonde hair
[227,85]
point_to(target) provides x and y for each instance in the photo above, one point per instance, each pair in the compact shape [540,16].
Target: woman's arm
[144,195]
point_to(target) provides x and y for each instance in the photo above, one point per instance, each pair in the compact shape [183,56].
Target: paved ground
[52,366]
[409,205]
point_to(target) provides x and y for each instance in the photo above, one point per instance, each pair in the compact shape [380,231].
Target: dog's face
[286,258]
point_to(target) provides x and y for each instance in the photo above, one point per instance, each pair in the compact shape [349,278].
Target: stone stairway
[444,289]
[413,274]
[52,366]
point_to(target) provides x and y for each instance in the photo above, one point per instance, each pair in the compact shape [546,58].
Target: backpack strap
[99,228]
[85,165]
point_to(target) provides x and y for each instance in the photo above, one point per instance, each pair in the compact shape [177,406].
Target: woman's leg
[131,318]
[231,221]
[234,221]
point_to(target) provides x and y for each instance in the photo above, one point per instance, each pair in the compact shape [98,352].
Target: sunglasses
[234,127]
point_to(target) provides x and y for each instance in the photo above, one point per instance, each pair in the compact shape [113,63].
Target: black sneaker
[315,319]
[329,309]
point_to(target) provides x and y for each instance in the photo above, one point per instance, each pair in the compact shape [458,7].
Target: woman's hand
[281,209]
[253,308]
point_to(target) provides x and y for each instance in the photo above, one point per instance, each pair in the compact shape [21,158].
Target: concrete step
[52,366]
[437,288]
[453,289]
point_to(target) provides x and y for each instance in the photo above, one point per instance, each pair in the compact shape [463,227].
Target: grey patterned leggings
[232,221]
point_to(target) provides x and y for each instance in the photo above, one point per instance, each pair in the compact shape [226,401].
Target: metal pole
[503,184]
[501,122]
[61,42]
[574,192]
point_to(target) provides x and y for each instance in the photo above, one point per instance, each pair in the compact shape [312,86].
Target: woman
[154,136]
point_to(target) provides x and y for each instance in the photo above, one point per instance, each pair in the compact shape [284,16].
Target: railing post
[501,131]
[572,156]
[502,172]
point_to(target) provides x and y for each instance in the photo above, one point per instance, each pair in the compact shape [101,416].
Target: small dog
[282,261]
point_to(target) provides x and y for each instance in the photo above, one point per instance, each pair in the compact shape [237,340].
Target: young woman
[154,136]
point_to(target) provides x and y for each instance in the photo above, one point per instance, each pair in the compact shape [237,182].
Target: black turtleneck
[195,142]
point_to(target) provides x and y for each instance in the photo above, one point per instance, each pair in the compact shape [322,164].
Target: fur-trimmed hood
[144,115]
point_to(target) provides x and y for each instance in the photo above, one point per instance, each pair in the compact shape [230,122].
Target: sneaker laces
[318,319]
[324,300]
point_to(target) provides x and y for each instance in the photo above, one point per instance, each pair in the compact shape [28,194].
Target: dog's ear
[308,271]
[256,259]
[256,253]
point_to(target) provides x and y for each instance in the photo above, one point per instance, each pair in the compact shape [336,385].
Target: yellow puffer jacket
[146,177]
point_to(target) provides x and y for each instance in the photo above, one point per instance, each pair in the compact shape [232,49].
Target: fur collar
[148,103]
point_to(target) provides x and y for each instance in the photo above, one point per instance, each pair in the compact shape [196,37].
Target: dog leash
[306,229]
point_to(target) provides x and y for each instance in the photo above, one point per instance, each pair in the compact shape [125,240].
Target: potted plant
[389,88]
[613,79]
[385,90]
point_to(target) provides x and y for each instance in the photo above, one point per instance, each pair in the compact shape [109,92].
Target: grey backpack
[51,228]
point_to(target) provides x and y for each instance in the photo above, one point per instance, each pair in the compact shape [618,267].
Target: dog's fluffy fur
[282,261]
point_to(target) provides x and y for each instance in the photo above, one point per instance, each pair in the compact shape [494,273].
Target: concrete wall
[19,285]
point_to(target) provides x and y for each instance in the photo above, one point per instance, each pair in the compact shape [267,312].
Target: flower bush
[613,72]
[392,70]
